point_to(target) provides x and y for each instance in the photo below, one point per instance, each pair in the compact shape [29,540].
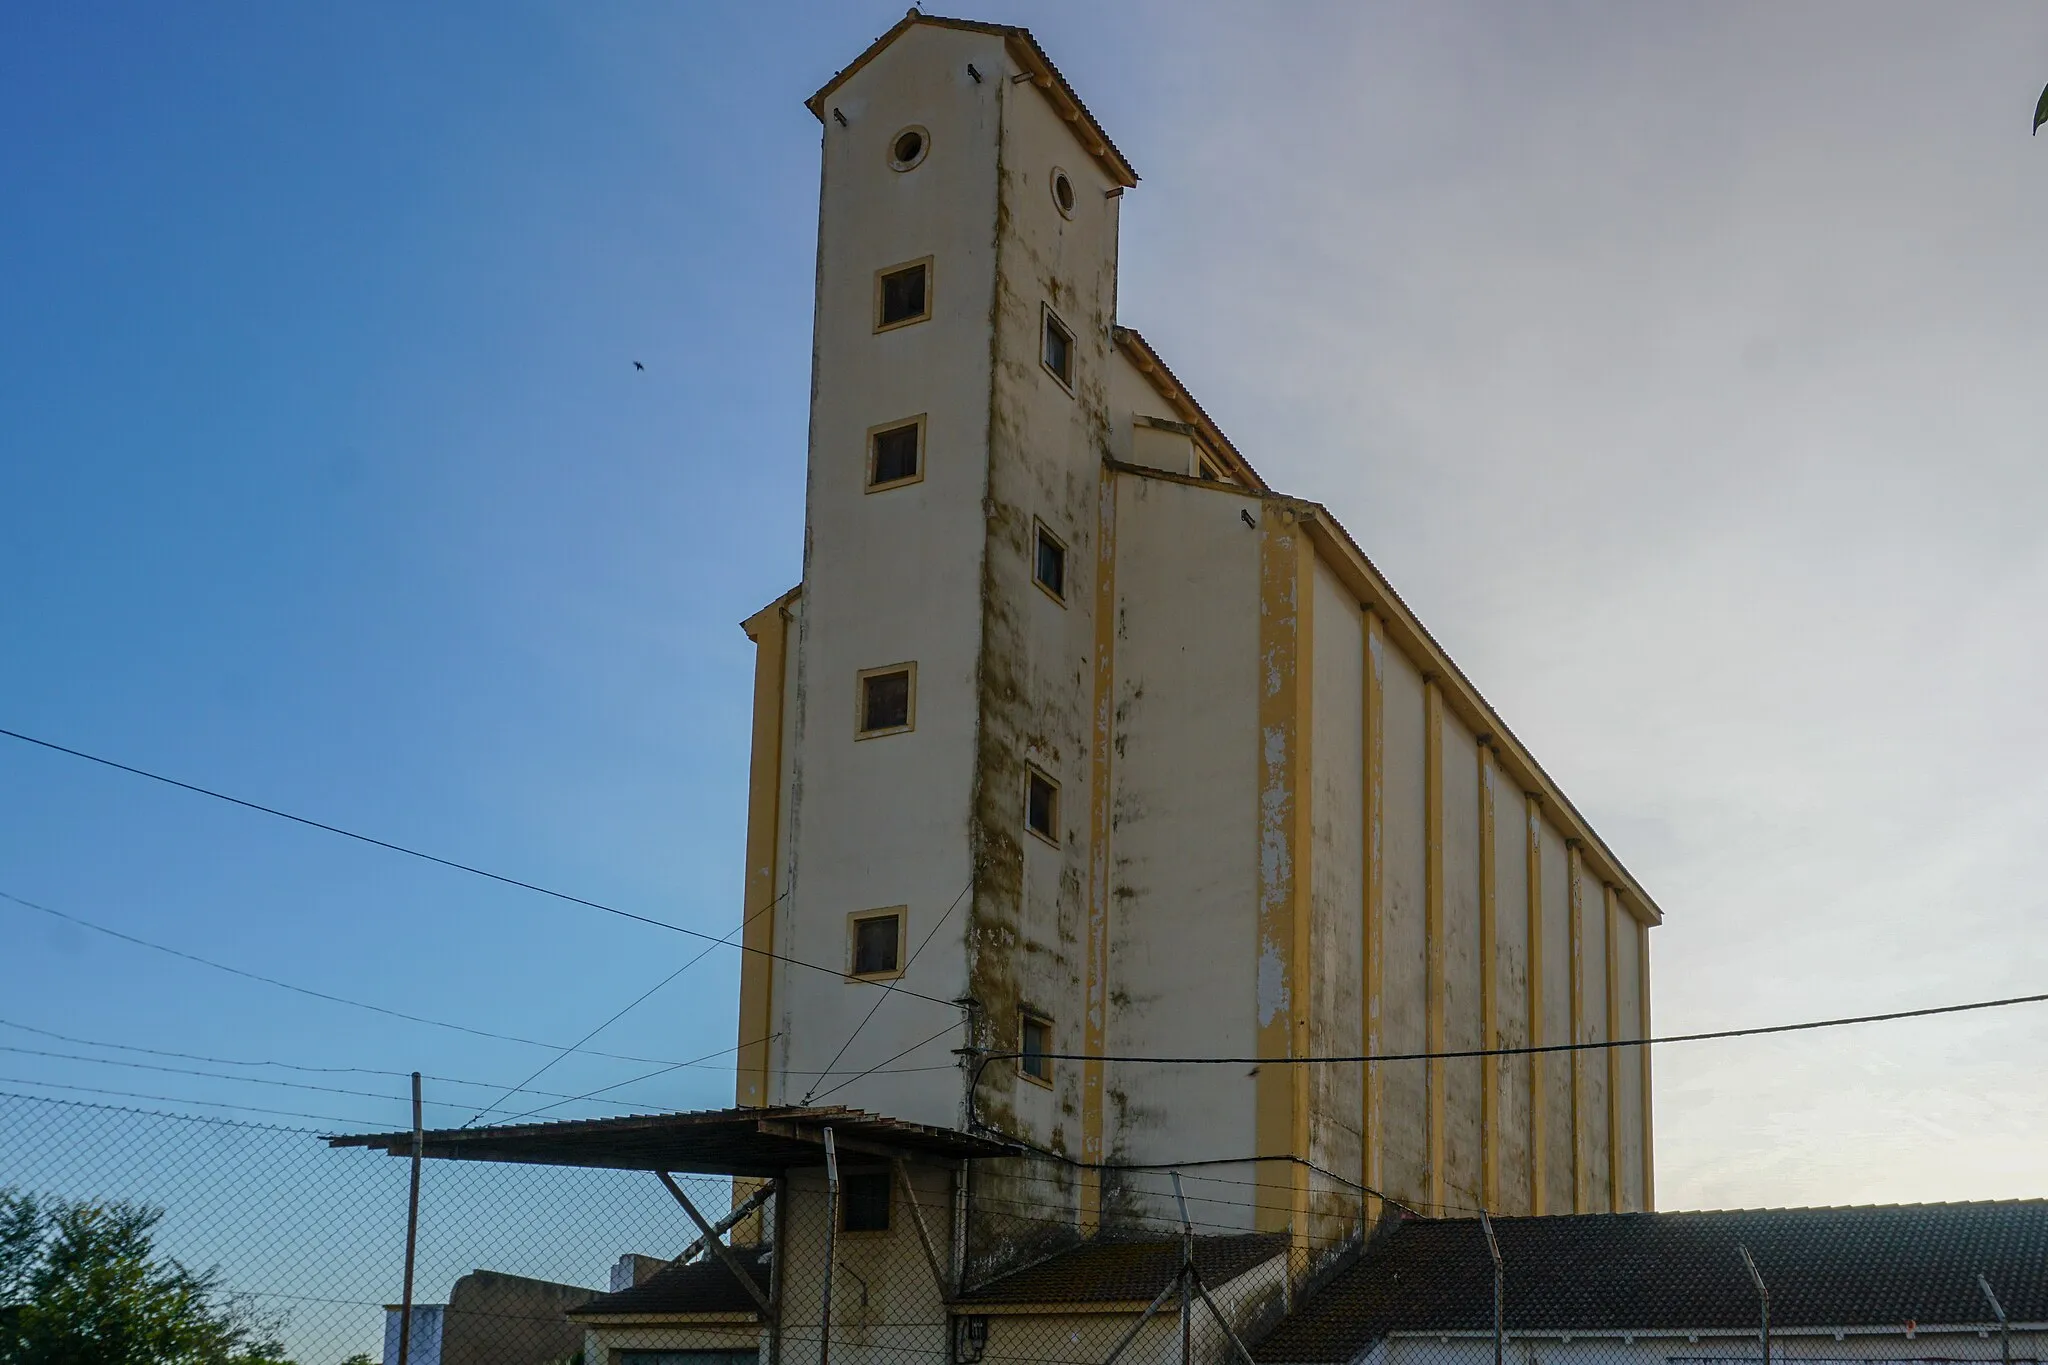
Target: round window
[1063,192]
[908,147]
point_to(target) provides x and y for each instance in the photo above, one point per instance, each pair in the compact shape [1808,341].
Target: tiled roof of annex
[1864,1266]
[701,1287]
[1125,1270]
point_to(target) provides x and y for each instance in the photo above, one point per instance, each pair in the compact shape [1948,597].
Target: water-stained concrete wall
[1184,882]
[1337,875]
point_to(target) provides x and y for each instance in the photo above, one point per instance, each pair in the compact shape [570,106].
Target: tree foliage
[81,1284]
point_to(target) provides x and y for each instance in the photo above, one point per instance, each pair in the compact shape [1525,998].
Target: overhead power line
[228,1076]
[1454,1054]
[84,923]
[437,859]
[172,1099]
[619,1014]
[937,924]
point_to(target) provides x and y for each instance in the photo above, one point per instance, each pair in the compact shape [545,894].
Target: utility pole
[412,1226]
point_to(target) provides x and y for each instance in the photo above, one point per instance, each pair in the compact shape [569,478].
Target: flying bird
[638,366]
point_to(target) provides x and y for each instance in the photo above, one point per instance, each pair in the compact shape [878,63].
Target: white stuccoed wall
[892,576]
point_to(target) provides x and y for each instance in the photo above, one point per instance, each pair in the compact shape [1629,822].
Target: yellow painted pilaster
[1286,596]
[1373,994]
[1489,990]
[768,628]
[1643,1060]
[1095,1003]
[1539,1063]
[1575,900]
[1433,896]
[1617,1172]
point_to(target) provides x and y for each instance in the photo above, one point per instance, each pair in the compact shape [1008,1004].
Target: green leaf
[2041,110]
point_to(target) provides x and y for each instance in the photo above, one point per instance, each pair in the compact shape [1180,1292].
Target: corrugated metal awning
[761,1142]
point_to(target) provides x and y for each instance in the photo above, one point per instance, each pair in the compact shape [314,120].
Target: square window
[1058,352]
[903,294]
[1035,1043]
[864,1201]
[1049,564]
[1042,806]
[877,945]
[888,701]
[895,454]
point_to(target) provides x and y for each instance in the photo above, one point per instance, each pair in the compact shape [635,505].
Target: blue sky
[1682,365]
[328,481]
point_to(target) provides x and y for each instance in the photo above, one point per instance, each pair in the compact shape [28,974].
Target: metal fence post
[831,1248]
[2004,1328]
[412,1226]
[1493,1249]
[1763,1298]
[1187,1276]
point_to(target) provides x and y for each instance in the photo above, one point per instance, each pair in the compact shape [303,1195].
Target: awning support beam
[924,1234]
[718,1246]
[731,1220]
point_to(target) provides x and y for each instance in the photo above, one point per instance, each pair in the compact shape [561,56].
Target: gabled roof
[1873,1266]
[1341,551]
[704,1286]
[1024,49]
[742,1141]
[1125,1270]
[1139,352]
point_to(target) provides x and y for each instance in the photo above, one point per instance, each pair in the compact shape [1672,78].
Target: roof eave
[1350,561]
[1140,353]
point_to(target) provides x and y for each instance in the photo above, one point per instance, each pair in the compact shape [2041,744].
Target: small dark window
[864,1201]
[1049,566]
[893,455]
[1036,1044]
[1063,193]
[1059,350]
[1042,806]
[877,940]
[886,699]
[905,295]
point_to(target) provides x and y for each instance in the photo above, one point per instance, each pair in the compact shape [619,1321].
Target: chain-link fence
[133,1238]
